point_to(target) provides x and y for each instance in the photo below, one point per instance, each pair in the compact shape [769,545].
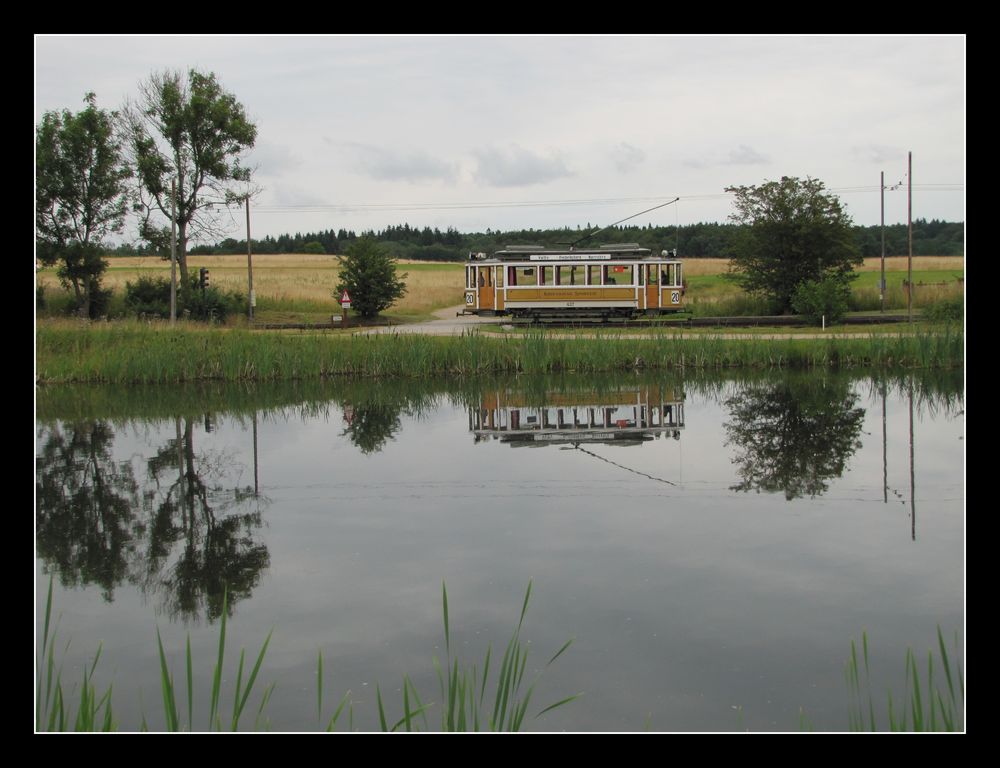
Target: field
[300,287]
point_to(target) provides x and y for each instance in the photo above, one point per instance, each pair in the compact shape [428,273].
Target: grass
[930,708]
[137,353]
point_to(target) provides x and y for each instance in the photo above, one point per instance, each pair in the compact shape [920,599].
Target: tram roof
[540,253]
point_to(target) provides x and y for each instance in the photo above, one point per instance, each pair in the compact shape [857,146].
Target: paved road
[446,323]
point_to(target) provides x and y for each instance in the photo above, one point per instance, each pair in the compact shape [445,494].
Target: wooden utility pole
[173,251]
[909,224]
[252,299]
[881,285]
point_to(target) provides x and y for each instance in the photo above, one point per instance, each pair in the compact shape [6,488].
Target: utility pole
[173,251]
[881,285]
[909,224]
[253,299]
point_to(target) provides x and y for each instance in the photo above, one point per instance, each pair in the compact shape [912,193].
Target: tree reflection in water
[183,537]
[793,436]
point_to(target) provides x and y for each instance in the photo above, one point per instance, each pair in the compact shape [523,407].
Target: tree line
[696,241]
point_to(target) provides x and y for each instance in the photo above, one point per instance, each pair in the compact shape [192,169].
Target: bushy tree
[795,232]
[822,301]
[80,197]
[190,130]
[369,276]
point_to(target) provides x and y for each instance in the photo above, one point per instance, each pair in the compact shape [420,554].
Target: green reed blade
[236,693]
[319,687]
[167,688]
[381,710]
[946,664]
[336,715]
[252,678]
[447,633]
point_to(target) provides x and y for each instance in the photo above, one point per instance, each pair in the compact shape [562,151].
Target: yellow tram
[611,282]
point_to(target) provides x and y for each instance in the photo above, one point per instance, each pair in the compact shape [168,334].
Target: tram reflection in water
[623,417]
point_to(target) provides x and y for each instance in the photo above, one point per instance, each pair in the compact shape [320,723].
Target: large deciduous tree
[794,232]
[191,131]
[80,195]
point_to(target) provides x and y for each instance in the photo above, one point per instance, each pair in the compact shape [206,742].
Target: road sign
[345,297]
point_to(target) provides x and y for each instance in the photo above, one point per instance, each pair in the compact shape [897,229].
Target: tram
[630,416]
[612,282]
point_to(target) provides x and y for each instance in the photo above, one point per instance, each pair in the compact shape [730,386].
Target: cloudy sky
[511,132]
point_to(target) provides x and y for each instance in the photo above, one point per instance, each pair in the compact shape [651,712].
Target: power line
[500,204]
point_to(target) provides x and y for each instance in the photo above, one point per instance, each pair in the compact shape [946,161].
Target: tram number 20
[470,298]
[675,297]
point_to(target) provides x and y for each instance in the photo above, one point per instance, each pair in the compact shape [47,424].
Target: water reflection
[689,595]
[625,416]
[173,530]
[88,516]
[793,436]
[172,520]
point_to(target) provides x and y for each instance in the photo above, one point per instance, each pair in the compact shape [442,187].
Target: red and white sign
[345,299]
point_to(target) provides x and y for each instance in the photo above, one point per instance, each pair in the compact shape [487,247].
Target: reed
[53,708]
[930,708]
[470,700]
[137,353]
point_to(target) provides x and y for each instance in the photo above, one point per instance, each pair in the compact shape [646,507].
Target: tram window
[499,277]
[642,276]
[608,278]
[548,276]
[468,277]
[653,275]
[626,274]
[559,274]
[577,275]
[593,274]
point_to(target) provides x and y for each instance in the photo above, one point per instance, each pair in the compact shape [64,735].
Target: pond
[711,544]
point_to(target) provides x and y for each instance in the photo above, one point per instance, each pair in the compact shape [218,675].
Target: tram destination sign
[570,257]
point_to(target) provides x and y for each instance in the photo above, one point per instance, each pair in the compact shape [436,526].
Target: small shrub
[817,299]
[148,296]
[945,310]
[151,296]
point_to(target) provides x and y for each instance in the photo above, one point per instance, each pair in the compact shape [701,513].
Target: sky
[363,132]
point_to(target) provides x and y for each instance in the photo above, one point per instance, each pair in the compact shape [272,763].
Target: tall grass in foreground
[464,703]
[133,353]
[240,696]
[53,708]
[920,709]
[469,701]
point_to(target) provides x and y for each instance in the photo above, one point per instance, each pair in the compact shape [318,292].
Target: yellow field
[290,283]
[290,286]
[699,267]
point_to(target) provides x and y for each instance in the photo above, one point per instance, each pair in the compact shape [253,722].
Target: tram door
[652,286]
[484,279]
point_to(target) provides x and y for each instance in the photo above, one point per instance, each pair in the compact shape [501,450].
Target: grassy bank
[134,353]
